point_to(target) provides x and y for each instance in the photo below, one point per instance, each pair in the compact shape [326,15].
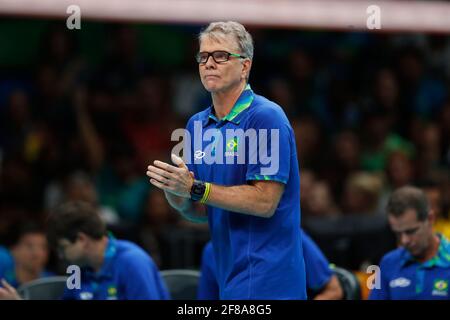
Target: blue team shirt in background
[257,258]
[404,278]
[208,289]
[128,273]
[318,272]
[8,268]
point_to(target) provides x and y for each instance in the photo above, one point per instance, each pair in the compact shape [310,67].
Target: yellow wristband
[206,194]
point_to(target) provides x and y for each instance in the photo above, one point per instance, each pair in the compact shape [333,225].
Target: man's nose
[404,239]
[210,64]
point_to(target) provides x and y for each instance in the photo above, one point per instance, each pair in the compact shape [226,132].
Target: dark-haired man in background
[420,267]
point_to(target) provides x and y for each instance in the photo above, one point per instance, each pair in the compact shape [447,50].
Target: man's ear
[83,238]
[247,65]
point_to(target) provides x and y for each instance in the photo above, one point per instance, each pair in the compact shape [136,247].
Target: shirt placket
[420,279]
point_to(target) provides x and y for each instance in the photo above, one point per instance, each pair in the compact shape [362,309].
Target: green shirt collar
[441,259]
[244,101]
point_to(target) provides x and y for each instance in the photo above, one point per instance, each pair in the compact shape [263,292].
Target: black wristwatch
[198,190]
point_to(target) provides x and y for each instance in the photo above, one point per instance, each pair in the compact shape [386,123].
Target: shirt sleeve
[318,272]
[381,293]
[208,288]
[141,279]
[4,259]
[270,153]
[7,267]
[188,146]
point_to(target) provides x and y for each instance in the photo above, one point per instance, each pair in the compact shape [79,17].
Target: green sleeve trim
[266,178]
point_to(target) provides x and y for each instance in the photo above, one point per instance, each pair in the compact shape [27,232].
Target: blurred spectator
[123,64]
[26,256]
[380,142]
[120,186]
[145,123]
[387,99]
[310,142]
[305,88]
[362,194]
[59,46]
[307,181]
[422,94]
[429,151]
[17,123]
[116,175]
[399,170]
[61,68]
[437,50]
[80,187]
[345,160]
[280,92]
[321,202]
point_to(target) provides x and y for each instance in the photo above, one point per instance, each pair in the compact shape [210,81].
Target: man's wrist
[205,197]
[200,191]
[177,202]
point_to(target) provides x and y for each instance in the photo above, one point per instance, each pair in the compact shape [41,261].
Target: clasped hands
[177,180]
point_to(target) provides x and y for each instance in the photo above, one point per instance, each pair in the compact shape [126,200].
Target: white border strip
[418,16]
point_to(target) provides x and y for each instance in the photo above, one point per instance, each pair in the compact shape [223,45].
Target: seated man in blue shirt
[321,282]
[420,268]
[110,269]
[25,258]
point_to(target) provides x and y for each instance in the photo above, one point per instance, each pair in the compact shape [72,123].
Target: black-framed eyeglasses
[218,56]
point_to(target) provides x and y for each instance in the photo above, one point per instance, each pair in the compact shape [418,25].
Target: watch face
[198,189]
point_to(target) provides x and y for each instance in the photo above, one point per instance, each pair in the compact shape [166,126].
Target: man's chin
[212,88]
[415,253]
[212,85]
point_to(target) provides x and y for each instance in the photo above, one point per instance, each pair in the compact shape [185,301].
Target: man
[321,282]
[420,268]
[110,269]
[253,211]
[27,256]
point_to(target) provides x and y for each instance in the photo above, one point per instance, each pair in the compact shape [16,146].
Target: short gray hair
[216,30]
[408,197]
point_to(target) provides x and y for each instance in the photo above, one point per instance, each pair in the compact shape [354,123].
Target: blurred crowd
[371,113]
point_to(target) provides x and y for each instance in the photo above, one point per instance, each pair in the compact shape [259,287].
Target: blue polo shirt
[257,258]
[404,278]
[8,268]
[208,288]
[318,272]
[128,273]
